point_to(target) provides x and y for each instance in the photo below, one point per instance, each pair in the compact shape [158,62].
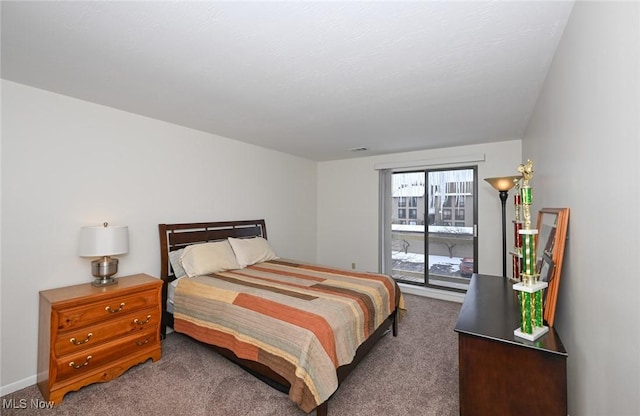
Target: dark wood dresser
[501,374]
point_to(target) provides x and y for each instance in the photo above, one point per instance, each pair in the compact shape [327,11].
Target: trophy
[530,297]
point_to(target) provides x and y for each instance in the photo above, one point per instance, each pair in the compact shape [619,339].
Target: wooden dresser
[89,334]
[501,374]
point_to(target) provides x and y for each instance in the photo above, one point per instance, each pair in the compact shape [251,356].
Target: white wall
[348,204]
[68,163]
[584,138]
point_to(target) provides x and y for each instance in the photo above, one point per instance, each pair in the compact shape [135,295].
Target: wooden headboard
[177,236]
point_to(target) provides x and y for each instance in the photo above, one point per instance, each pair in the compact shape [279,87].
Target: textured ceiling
[313,79]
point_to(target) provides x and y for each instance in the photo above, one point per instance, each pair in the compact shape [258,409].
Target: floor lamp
[502,185]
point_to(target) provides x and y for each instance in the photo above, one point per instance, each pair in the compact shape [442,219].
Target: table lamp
[104,241]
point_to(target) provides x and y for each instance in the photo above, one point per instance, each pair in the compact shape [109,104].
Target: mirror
[552,235]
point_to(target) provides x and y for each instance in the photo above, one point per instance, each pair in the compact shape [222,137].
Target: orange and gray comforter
[303,321]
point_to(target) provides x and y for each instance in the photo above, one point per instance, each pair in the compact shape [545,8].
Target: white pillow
[251,250]
[199,259]
[174,258]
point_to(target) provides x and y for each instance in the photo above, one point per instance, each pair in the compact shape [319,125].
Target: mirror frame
[553,247]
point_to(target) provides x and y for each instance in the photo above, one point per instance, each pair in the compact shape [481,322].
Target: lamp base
[102,282]
[102,269]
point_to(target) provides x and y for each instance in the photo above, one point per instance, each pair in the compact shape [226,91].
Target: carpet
[415,373]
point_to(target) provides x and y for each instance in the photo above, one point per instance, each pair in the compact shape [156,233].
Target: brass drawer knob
[78,366]
[139,322]
[141,343]
[108,308]
[76,342]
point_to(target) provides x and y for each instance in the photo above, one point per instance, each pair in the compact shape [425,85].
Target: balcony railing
[447,247]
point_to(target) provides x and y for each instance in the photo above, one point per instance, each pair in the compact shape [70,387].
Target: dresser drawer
[92,359]
[79,339]
[105,309]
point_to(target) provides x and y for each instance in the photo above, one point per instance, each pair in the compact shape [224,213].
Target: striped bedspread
[303,321]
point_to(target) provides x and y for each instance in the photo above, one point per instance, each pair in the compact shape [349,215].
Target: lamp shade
[103,240]
[503,183]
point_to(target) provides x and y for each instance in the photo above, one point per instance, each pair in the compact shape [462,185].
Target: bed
[300,327]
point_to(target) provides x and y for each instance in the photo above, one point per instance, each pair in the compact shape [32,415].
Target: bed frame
[177,236]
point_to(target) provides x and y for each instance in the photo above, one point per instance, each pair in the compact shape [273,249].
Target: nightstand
[89,334]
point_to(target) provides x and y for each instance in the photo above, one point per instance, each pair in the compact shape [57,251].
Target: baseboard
[18,385]
[432,293]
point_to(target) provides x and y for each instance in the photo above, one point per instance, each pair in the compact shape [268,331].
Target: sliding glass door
[429,226]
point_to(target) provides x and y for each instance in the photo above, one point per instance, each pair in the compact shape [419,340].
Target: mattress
[171,291]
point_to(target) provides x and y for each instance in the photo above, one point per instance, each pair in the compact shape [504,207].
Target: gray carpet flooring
[415,373]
